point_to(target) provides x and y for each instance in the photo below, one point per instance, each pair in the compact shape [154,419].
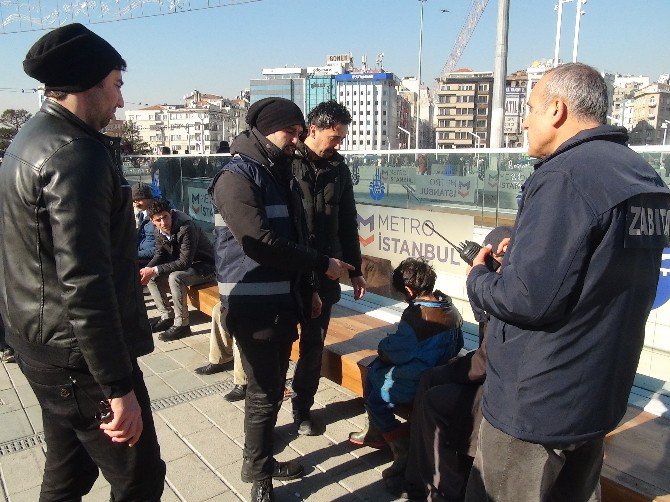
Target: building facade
[288,83]
[464,109]
[372,99]
[651,110]
[515,109]
[623,93]
[195,127]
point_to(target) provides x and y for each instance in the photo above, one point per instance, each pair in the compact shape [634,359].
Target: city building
[464,109]
[114,128]
[372,99]
[411,91]
[288,83]
[622,98]
[651,110]
[197,126]
[515,108]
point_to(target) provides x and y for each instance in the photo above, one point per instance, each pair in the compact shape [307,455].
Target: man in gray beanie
[69,286]
[265,273]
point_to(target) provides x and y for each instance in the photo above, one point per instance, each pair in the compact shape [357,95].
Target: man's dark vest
[243,282]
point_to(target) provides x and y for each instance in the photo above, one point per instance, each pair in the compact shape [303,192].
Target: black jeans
[265,349]
[444,425]
[509,469]
[76,447]
[308,369]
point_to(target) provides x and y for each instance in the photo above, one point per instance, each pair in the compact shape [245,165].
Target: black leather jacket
[69,282]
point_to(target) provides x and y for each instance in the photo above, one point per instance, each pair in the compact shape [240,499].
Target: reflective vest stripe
[254,288]
[278,211]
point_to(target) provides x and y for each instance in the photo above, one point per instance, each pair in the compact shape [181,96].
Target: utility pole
[499,76]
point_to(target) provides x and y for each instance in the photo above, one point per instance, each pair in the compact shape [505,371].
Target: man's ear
[559,111]
[312,130]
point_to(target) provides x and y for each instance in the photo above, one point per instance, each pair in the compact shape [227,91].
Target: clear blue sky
[219,50]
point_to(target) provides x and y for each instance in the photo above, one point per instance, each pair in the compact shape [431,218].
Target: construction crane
[476,9]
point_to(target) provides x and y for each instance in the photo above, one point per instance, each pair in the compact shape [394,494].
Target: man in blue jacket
[146,240]
[570,306]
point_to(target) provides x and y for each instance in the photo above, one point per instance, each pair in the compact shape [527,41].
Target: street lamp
[409,136]
[578,18]
[664,126]
[559,20]
[476,136]
[477,147]
[418,91]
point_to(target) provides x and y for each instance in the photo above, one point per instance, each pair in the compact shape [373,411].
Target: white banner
[447,188]
[199,204]
[395,234]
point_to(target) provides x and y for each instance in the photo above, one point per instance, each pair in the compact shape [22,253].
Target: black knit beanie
[274,114]
[71,59]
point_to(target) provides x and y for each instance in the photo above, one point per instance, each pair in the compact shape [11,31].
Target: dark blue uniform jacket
[570,306]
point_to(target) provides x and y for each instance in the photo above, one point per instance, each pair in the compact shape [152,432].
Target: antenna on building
[380,61]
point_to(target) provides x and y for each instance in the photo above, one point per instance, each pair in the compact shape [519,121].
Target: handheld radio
[467,250]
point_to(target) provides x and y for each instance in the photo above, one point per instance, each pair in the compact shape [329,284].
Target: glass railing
[463,193]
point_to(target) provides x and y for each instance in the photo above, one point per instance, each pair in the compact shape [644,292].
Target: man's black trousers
[265,348]
[76,447]
[308,369]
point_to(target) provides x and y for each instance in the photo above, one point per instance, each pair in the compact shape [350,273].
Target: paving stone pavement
[201,435]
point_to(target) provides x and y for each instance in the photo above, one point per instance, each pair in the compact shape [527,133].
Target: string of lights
[44,15]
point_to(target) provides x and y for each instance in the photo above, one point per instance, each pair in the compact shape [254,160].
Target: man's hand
[360,286]
[502,247]
[337,268]
[317,304]
[480,259]
[146,274]
[126,424]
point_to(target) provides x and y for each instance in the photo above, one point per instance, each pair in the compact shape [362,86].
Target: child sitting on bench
[429,333]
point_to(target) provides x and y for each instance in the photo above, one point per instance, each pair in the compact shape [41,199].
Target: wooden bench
[637,453]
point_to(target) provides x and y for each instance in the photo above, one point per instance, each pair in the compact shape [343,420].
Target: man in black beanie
[264,270]
[69,286]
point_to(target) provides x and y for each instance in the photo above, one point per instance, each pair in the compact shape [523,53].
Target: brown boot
[398,440]
[369,436]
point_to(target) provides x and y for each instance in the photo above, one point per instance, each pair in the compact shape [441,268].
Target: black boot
[369,436]
[398,441]
[261,491]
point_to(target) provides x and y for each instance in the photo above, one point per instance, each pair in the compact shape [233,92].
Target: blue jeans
[76,447]
[378,404]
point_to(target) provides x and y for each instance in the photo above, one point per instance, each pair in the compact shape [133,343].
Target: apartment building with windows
[651,109]
[372,99]
[623,93]
[197,126]
[463,102]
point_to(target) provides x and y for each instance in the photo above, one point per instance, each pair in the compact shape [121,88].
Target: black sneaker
[175,333]
[307,426]
[161,325]
[283,471]
[211,368]
[238,393]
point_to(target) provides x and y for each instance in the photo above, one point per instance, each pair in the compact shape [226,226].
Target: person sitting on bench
[429,333]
